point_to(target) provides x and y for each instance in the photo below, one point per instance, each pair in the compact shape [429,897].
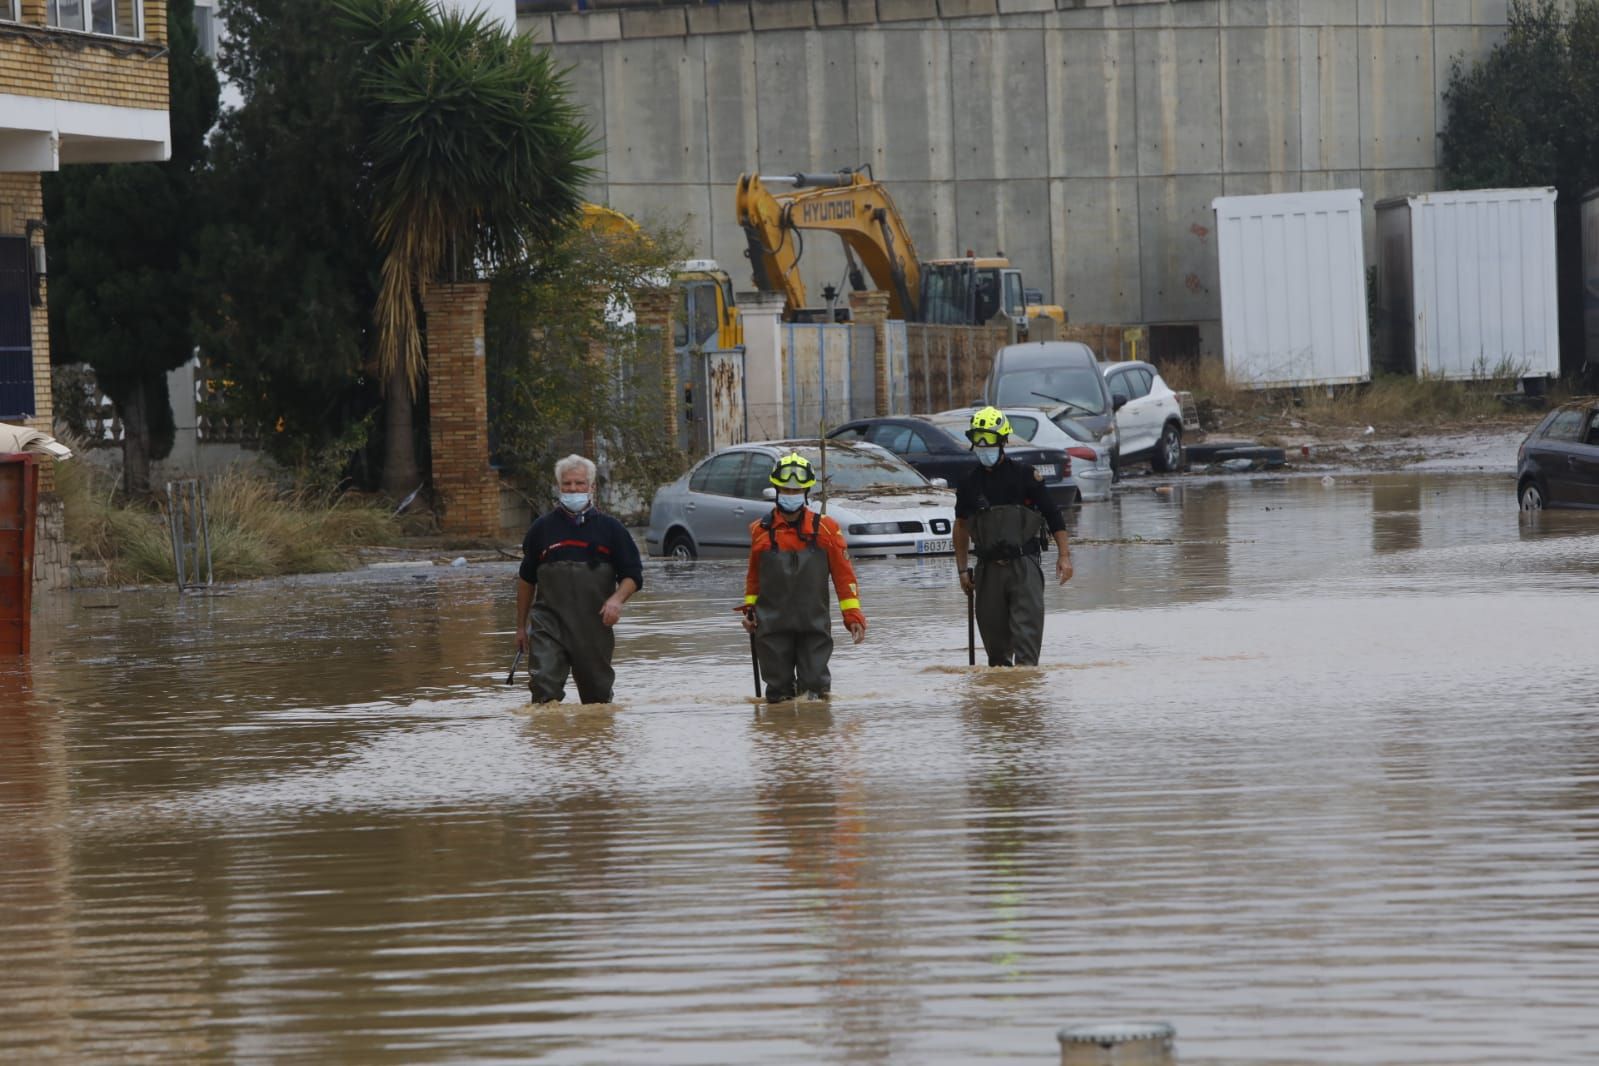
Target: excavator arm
[848,203]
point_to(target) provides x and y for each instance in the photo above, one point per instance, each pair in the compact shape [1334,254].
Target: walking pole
[514,664]
[755,663]
[971,630]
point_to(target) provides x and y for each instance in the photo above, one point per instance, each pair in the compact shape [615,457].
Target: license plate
[933,547]
[1046,469]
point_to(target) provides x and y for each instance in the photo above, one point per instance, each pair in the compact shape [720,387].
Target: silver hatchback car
[882,505]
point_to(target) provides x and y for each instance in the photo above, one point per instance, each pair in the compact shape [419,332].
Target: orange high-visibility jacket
[789,538]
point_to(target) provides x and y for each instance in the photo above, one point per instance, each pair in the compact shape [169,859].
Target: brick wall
[466,490]
[62,65]
[652,311]
[870,309]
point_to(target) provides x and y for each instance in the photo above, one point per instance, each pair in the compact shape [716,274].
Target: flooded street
[1310,771]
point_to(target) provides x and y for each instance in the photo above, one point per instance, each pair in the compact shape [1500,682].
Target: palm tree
[477,155]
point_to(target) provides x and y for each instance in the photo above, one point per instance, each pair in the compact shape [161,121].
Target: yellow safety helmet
[793,471]
[990,423]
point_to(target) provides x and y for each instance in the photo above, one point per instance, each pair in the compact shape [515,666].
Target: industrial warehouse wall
[1087,143]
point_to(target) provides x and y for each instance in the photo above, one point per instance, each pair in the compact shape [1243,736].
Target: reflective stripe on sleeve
[849,605]
[749,601]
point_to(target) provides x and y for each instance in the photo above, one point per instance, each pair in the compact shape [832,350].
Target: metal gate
[713,400]
[830,375]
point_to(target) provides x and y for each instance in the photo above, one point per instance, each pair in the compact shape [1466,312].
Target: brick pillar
[467,491]
[871,309]
[652,309]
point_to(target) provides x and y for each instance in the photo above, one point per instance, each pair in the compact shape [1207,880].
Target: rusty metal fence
[713,400]
[830,375]
[947,365]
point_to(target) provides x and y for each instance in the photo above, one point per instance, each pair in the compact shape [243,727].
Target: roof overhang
[41,134]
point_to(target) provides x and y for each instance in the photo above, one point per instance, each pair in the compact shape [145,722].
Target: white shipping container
[1466,283]
[1590,274]
[1293,289]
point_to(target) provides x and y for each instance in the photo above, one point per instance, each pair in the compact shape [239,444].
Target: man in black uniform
[1001,513]
[579,567]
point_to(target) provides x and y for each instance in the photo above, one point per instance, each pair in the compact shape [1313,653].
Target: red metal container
[19,507]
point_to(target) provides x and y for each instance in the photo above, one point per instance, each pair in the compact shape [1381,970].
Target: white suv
[1149,416]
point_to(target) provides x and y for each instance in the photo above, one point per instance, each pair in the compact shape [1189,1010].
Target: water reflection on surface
[1309,770]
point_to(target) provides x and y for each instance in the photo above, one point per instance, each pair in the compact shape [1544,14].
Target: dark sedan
[938,451]
[1558,464]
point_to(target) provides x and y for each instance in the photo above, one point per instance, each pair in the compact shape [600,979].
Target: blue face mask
[987,456]
[791,501]
[575,502]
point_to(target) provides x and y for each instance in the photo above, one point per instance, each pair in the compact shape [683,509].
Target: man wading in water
[793,550]
[1001,512]
[578,568]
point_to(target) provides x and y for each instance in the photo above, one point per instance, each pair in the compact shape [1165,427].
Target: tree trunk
[135,443]
[400,474]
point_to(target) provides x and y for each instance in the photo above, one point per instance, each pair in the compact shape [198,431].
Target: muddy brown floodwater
[1310,771]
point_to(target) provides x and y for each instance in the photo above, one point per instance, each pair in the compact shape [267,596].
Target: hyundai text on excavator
[857,208]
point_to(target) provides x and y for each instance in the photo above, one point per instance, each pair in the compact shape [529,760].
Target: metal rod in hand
[971,629]
[514,664]
[755,662]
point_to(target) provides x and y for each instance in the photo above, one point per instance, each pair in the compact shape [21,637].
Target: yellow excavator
[777,211]
[707,314]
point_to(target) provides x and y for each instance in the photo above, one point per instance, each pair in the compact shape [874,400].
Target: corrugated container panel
[1590,273]
[1483,288]
[1293,289]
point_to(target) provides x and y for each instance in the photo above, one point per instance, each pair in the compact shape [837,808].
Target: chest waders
[568,636]
[1010,583]
[793,626]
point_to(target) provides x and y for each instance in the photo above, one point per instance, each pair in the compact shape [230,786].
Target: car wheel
[1168,457]
[1530,497]
[680,546]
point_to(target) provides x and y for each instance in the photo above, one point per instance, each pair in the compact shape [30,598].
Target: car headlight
[873,529]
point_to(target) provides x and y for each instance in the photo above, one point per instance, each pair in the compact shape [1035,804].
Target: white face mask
[791,501]
[576,502]
[987,456]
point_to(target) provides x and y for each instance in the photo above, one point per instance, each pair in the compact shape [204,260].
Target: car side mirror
[1118,403]
[769,494]
[939,483]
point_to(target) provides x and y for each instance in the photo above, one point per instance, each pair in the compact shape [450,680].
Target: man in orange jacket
[793,551]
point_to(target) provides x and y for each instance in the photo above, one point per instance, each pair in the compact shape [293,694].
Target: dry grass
[1394,403]
[256,529]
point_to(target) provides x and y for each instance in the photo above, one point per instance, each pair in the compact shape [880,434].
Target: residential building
[81,81]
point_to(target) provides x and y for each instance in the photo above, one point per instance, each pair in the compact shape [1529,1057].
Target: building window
[205,29]
[16,331]
[8,10]
[113,18]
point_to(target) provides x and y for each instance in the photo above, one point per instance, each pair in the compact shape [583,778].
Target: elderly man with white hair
[579,567]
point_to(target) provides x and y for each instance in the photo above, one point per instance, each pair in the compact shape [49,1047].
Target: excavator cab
[706,316]
[966,292]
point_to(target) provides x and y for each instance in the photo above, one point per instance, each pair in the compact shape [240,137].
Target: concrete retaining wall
[1086,142]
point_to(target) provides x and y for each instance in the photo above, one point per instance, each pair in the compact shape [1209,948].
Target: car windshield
[1079,386]
[859,470]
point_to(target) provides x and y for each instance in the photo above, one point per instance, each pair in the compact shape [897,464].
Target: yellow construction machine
[777,211]
[707,314]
